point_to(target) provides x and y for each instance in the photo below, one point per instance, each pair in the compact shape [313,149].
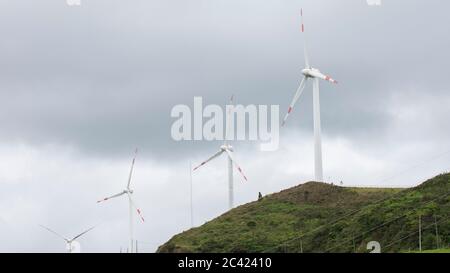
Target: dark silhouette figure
[260,196]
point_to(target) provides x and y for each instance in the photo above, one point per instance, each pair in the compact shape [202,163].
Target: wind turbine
[129,192]
[227,149]
[69,241]
[315,75]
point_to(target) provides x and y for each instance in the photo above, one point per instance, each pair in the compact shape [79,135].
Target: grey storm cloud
[104,76]
[80,87]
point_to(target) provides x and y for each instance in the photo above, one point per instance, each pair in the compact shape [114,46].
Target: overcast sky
[81,87]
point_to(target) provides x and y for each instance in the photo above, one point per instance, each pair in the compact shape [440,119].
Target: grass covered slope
[318,217]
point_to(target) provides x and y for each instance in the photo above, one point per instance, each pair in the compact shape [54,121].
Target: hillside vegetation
[319,217]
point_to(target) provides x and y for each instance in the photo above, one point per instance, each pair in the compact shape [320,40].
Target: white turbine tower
[129,192]
[315,75]
[228,149]
[69,242]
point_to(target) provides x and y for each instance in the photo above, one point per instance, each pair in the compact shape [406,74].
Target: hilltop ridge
[319,217]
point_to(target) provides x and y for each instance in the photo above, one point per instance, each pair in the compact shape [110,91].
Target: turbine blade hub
[226,147]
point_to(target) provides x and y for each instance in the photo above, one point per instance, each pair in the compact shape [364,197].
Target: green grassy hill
[319,217]
[441,250]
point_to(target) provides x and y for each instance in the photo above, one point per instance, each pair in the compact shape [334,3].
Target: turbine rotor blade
[136,208]
[81,234]
[297,95]
[228,119]
[236,165]
[305,51]
[54,232]
[111,197]
[131,169]
[327,78]
[209,159]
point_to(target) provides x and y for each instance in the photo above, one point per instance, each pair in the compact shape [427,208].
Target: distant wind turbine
[68,241]
[128,191]
[228,149]
[313,74]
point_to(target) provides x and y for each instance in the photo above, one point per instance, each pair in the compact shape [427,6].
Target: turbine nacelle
[315,73]
[310,72]
[226,147]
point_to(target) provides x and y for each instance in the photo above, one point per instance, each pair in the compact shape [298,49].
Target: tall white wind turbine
[129,192]
[68,241]
[228,150]
[315,75]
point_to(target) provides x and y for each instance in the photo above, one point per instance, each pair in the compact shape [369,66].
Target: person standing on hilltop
[260,196]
